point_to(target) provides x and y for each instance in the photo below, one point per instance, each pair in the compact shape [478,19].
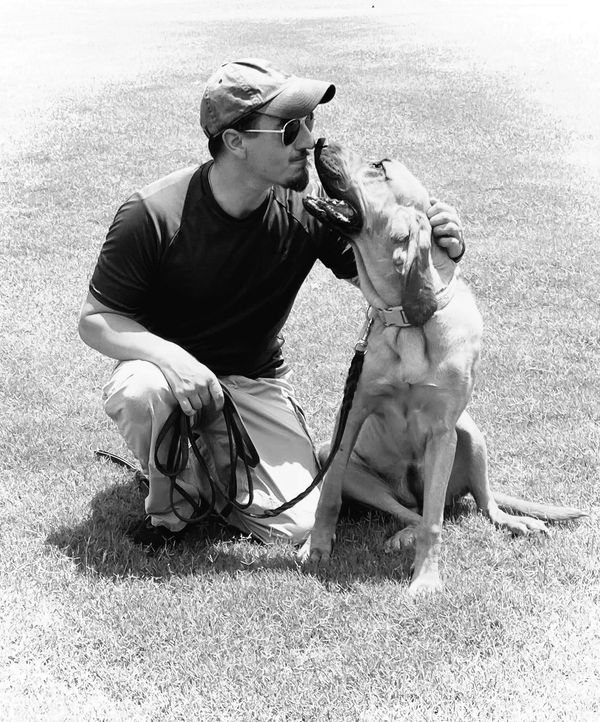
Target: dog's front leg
[320,542]
[439,457]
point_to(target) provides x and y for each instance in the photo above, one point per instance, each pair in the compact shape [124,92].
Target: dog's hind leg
[470,473]
[364,485]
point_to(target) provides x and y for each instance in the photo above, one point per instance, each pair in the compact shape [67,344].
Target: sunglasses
[290,130]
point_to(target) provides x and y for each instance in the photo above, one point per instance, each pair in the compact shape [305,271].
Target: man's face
[275,163]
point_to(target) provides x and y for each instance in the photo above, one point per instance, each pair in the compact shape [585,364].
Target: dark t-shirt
[220,287]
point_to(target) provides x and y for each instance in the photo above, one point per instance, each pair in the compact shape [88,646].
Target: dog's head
[381,208]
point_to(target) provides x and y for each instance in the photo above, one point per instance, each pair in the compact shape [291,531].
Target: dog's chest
[399,357]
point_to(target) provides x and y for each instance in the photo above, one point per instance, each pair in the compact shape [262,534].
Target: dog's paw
[303,554]
[319,557]
[428,583]
[520,525]
[401,541]
[314,552]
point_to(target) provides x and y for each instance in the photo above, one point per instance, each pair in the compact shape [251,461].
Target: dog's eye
[380,166]
[400,239]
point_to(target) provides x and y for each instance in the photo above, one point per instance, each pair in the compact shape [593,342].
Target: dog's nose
[319,145]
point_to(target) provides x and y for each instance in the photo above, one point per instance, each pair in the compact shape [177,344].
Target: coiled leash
[179,427]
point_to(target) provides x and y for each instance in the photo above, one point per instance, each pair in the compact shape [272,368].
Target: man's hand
[193,384]
[447,228]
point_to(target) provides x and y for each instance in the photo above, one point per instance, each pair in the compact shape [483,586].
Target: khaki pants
[139,400]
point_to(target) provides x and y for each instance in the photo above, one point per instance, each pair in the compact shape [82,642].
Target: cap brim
[298,98]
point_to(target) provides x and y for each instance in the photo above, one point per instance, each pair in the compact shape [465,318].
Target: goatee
[300,182]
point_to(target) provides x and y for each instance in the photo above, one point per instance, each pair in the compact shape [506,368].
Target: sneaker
[155,537]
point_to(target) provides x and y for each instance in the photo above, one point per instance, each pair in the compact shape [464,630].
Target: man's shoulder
[159,205]
[169,189]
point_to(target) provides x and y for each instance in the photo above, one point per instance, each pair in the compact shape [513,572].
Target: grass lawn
[226,629]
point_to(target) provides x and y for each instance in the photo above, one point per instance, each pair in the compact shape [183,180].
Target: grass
[225,629]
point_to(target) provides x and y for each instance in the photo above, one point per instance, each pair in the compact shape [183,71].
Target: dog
[409,447]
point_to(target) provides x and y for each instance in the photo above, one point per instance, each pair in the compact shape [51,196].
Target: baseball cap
[250,85]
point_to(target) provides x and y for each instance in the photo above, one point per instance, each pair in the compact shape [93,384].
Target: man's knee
[139,388]
[293,525]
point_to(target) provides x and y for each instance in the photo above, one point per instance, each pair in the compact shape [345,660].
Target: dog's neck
[382,289]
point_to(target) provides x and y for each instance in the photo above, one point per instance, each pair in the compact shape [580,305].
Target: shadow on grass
[99,545]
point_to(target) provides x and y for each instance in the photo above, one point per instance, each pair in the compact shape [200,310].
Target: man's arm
[120,337]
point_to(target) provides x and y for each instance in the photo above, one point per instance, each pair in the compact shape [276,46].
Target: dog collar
[395,315]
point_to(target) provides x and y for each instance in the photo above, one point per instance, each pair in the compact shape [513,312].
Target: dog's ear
[400,253]
[403,236]
[411,260]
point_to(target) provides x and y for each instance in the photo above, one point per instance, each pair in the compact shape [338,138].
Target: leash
[178,427]
[120,461]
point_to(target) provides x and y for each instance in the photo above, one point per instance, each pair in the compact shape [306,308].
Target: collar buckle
[393,316]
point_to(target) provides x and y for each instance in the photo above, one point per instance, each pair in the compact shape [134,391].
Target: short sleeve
[128,260]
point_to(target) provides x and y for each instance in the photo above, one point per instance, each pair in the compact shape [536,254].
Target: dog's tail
[546,512]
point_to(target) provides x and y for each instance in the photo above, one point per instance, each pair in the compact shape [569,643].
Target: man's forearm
[193,384]
[124,339]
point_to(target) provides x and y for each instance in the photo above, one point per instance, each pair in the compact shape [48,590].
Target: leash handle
[179,427]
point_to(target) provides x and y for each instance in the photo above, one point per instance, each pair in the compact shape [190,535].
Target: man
[193,285]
